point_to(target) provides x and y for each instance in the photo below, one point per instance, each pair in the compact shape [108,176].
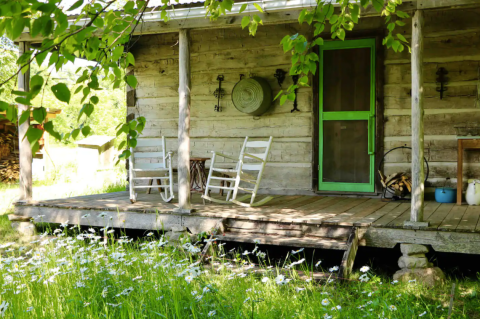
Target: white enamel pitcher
[473,192]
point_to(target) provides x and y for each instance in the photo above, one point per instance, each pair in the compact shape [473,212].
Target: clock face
[252,96]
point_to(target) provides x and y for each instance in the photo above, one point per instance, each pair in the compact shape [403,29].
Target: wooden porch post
[184,204]
[25,151]
[418,174]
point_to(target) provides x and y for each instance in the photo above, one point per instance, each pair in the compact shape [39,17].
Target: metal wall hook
[295,104]
[280,76]
[219,93]
[442,80]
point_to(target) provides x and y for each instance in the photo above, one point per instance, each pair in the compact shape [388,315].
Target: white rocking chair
[164,167]
[255,165]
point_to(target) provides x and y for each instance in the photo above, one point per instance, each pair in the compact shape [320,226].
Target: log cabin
[323,167]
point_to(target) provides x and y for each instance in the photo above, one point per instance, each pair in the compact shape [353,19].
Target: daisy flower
[325,302]
[392,308]
[364,269]
[212,313]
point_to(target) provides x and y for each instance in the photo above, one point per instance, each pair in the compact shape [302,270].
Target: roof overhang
[193,16]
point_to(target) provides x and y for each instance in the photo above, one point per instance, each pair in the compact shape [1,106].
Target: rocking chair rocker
[253,163]
[164,167]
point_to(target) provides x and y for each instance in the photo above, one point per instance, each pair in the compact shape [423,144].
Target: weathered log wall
[452,41]
[230,52]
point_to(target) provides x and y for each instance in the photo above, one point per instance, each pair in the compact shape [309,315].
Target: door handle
[371,135]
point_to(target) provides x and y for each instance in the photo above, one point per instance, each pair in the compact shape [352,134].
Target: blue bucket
[446,195]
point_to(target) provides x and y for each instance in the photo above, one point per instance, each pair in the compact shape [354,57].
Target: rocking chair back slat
[254,161]
[163,166]
[258,144]
[148,154]
[145,142]
[147,166]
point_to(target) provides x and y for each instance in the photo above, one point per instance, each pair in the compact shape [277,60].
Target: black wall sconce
[219,93]
[280,76]
[442,80]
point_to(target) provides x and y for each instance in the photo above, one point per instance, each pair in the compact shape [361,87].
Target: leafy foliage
[103,34]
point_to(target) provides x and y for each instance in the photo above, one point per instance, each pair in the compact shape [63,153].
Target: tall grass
[82,277]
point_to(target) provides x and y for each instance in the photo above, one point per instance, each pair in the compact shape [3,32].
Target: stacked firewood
[9,162]
[9,169]
[400,182]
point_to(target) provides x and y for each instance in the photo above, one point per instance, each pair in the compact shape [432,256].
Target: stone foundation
[415,266]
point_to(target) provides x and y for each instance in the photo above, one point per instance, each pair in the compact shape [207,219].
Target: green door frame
[348,115]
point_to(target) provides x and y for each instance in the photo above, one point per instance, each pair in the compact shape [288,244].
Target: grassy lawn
[72,273]
[80,277]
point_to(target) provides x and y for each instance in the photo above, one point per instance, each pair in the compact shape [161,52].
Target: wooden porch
[299,221]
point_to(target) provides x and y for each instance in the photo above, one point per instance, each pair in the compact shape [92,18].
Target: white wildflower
[325,302]
[364,269]
[212,313]
[294,252]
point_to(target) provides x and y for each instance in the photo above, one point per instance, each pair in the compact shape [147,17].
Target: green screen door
[347,116]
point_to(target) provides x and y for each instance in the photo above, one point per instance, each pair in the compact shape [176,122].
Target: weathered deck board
[364,209]
[453,218]
[439,215]
[369,219]
[397,211]
[469,221]
[301,221]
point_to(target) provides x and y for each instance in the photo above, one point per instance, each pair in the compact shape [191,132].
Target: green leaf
[391,26]
[18,26]
[33,134]
[318,41]
[40,57]
[130,58]
[94,99]
[291,96]
[244,6]
[400,23]
[117,53]
[61,92]
[39,114]
[75,133]
[364,3]
[86,130]
[301,16]
[401,37]
[23,100]
[279,93]
[88,109]
[36,84]
[24,117]
[355,13]
[283,99]
[131,81]
[48,126]
[334,19]
[76,5]
[258,7]
[378,5]
[245,21]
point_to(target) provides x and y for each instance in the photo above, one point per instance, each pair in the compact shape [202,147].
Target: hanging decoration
[219,93]
[295,104]
[280,76]
[442,81]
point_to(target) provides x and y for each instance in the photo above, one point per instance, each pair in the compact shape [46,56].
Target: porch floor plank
[370,219]
[367,207]
[439,215]
[469,221]
[390,216]
[453,218]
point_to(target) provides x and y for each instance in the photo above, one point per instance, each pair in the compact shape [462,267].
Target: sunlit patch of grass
[82,277]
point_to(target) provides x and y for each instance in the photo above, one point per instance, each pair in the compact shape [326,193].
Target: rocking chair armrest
[223,155]
[253,156]
[169,155]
